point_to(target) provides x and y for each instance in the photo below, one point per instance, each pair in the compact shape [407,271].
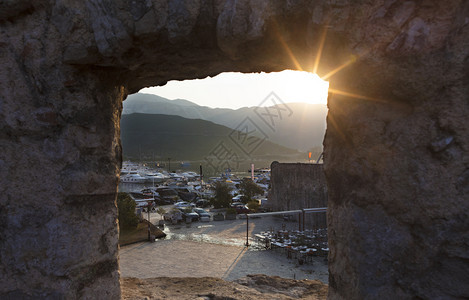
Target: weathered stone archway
[397,155]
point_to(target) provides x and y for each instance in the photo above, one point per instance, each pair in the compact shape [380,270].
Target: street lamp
[149,229]
[247,231]
[169,164]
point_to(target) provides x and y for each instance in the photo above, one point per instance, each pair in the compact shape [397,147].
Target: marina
[205,241]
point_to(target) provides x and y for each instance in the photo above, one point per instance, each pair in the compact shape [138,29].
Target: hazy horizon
[238,90]
[250,106]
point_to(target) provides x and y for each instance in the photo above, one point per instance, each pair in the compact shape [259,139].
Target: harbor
[202,240]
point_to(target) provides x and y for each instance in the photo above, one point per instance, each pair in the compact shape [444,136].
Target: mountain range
[154,137]
[299,126]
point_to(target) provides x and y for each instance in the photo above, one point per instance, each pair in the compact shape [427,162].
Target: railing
[301,213]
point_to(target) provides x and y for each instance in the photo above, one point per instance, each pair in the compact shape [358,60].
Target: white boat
[129,168]
[175,175]
[154,177]
[133,178]
[189,175]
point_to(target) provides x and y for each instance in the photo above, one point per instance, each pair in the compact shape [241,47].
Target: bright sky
[236,90]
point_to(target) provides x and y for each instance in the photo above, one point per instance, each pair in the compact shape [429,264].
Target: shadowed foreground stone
[250,287]
[396,147]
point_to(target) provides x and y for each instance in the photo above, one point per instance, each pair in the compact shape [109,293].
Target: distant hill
[299,126]
[157,137]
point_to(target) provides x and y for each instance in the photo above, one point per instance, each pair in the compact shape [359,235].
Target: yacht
[190,175]
[133,178]
[175,176]
[154,177]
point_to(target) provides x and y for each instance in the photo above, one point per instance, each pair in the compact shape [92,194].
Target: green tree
[253,205]
[222,195]
[249,189]
[126,211]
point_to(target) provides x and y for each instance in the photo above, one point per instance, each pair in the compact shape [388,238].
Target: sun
[302,86]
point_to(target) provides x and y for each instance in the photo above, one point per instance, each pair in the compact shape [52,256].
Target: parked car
[183,204]
[202,203]
[201,212]
[143,204]
[241,208]
[187,212]
[236,198]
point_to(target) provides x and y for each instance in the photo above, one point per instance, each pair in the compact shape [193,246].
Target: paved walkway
[215,249]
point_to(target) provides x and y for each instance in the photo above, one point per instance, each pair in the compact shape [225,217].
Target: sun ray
[321,46]
[352,59]
[290,53]
[287,48]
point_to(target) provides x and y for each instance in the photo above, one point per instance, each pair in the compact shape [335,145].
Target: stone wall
[297,186]
[396,147]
